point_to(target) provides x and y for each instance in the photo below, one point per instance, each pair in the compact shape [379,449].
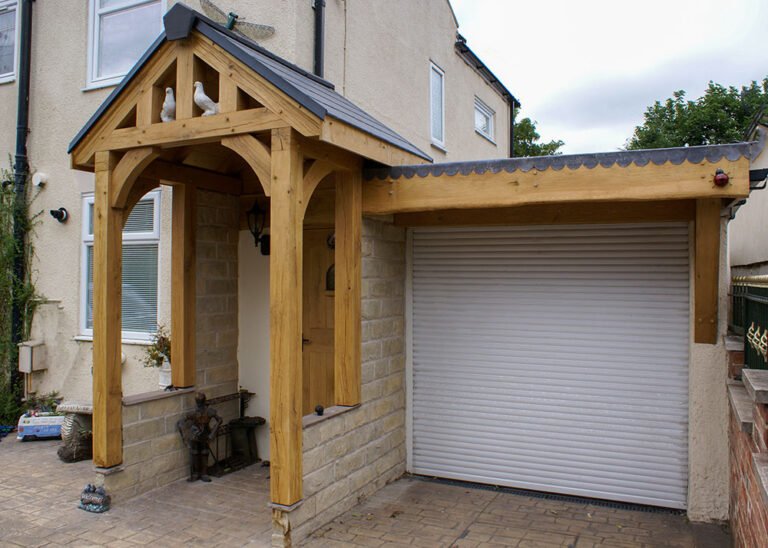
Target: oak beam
[107,336]
[285,293]
[229,95]
[183,286]
[256,153]
[707,270]
[599,184]
[338,157]
[359,142]
[128,169]
[347,296]
[173,174]
[185,79]
[318,171]
[553,214]
[203,129]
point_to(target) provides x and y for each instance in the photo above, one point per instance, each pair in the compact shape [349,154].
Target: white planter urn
[164,378]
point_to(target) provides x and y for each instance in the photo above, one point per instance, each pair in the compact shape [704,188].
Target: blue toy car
[40,425]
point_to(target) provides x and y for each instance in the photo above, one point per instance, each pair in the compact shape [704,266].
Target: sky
[586,70]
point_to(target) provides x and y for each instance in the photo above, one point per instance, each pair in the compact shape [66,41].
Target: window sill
[439,147]
[329,413]
[8,79]
[486,137]
[128,342]
[93,86]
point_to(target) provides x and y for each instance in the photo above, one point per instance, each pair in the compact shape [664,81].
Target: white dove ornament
[204,102]
[168,112]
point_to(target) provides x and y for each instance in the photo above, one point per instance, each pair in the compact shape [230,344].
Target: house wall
[153,453]
[748,250]
[377,53]
[349,456]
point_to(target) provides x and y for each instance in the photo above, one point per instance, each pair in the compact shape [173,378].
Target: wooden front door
[318,321]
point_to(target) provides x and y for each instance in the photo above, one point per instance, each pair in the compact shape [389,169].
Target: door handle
[305,341]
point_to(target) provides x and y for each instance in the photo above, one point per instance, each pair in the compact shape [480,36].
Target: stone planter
[164,378]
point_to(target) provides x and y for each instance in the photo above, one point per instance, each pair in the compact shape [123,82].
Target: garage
[552,358]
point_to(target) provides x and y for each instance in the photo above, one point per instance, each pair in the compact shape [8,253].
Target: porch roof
[316,95]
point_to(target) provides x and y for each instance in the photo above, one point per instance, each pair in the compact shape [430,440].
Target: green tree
[526,140]
[721,115]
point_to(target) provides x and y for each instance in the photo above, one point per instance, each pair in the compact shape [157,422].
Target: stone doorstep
[760,462]
[741,404]
[756,383]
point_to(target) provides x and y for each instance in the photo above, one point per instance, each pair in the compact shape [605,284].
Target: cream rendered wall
[747,242]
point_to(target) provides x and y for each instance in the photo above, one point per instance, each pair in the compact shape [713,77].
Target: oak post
[183,286]
[107,336]
[707,270]
[347,319]
[285,293]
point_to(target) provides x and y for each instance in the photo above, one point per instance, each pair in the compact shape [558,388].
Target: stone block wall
[349,456]
[153,453]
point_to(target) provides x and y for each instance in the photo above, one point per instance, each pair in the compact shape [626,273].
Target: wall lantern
[60,214]
[257,217]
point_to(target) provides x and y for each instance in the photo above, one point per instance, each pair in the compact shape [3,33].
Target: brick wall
[153,453]
[350,456]
[749,510]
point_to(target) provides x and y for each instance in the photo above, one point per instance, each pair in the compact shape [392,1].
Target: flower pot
[164,371]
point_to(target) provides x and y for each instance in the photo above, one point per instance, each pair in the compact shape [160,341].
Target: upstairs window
[484,116]
[437,104]
[120,32]
[141,242]
[7,40]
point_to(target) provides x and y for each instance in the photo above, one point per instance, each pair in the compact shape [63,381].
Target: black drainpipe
[21,171]
[319,6]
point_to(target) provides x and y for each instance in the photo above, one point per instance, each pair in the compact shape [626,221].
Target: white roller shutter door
[553,358]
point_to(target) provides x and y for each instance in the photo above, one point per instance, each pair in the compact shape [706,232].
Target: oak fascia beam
[203,129]
[614,184]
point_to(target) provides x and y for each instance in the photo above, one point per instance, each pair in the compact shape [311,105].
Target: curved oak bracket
[318,171]
[257,155]
[127,170]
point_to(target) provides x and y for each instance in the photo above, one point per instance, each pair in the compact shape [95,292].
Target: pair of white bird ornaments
[206,104]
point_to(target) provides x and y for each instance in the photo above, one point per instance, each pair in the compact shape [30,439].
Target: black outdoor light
[60,214]
[257,217]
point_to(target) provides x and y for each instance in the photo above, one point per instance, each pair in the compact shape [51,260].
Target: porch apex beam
[707,270]
[598,184]
[285,312]
[107,334]
[203,129]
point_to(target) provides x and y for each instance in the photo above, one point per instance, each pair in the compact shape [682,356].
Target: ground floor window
[141,247]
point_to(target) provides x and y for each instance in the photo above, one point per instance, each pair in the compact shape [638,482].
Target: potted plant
[158,354]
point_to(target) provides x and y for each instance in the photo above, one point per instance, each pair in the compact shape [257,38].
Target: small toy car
[39,425]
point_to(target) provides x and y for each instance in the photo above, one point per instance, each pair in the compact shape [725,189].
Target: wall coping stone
[756,383]
[283,507]
[741,404]
[760,461]
[108,471]
[734,343]
[329,413]
[144,397]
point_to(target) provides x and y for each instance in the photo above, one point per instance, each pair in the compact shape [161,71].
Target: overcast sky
[586,70]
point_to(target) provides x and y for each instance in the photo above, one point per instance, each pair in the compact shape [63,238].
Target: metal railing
[749,317]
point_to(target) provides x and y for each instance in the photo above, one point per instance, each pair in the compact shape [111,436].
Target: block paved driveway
[39,495]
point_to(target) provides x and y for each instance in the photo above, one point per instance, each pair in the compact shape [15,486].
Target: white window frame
[131,238]
[440,142]
[488,112]
[93,81]
[8,5]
